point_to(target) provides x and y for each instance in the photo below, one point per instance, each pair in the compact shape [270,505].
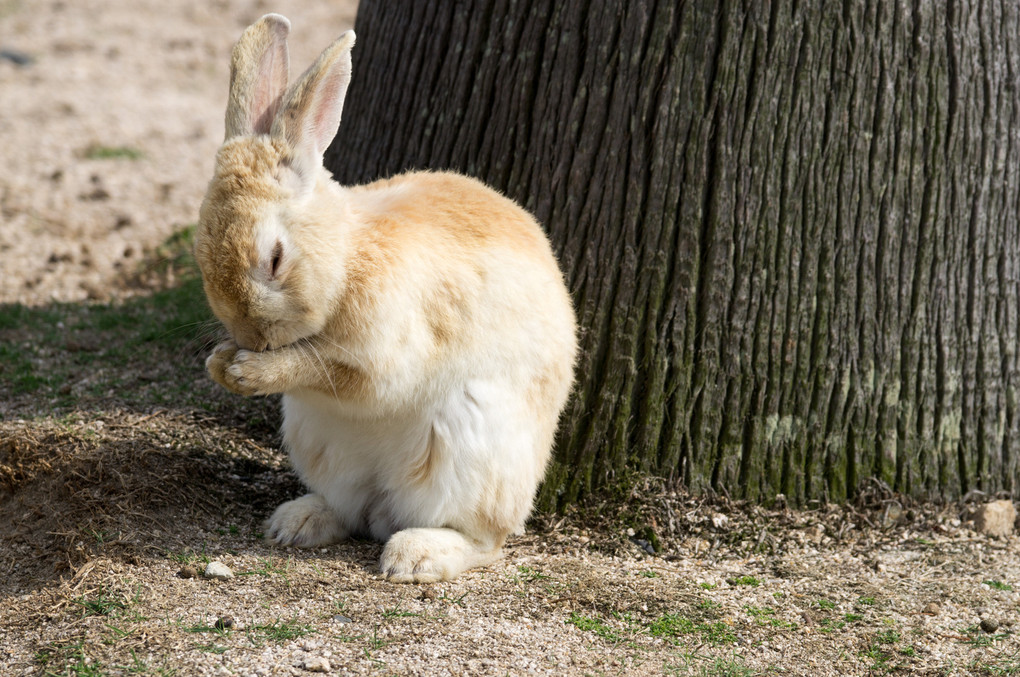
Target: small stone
[224,622]
[218,570]
[931,609]
[815,533]
[317,664]
[989,625]
[187,571]
[343,620]
[16,57]
[893,514]
[719,520]
[427,594]
[644,545]
[995,518]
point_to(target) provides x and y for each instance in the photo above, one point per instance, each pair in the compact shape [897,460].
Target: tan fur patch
[422,473]
[342,380]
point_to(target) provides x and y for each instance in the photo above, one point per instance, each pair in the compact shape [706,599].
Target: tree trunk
[791,229]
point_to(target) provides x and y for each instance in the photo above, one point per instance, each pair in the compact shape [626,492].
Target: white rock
[317,664]
[218,570]
[995,518]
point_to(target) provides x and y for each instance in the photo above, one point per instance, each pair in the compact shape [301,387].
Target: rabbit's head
[268,266]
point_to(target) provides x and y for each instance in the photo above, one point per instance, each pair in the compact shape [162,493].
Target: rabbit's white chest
[423,467]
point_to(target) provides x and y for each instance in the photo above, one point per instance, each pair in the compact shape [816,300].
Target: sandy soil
[108,134]
[119,484]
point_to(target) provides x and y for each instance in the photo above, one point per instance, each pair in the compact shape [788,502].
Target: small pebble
[989,625]
[317,664]
[931,608]
[224,622]
[644,545]
[15,57]
[218,570]
[342,619]
[187,572]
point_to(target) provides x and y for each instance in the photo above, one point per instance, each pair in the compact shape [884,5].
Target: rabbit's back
[452,279]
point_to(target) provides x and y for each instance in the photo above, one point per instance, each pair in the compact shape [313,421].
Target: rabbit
[419,327]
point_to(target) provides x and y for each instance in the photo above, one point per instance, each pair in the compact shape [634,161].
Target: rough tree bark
[791,228]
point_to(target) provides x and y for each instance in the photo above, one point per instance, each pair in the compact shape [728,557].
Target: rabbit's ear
[258,76]
[310,113]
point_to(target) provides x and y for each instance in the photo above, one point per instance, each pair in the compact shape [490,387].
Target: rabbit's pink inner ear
[329,105]
[258,77]
[312,108]
[270,84]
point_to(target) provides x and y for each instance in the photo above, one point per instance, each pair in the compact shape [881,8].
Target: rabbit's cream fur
[418,327]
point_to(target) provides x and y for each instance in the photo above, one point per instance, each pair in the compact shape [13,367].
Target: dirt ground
[124,471]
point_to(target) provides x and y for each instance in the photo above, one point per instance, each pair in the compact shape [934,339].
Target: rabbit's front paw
[217,363]
[305,522]
[250,373]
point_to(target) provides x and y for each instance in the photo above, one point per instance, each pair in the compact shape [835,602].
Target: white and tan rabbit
[419,327]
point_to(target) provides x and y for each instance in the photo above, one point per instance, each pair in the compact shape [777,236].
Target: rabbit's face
[255,277]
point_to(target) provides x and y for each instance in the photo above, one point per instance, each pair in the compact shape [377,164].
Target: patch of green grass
[829,624]
[866,601]
[648,574]
[1006,667]
[594,625]
[47,352]
[852,618]
[690,663]
[68,658]
[204,628]
[825,604]
[744,580]
[458,600]
[884,653]
[674,626]
[767,616]
[280,631]
[397,612]
[100,152]
[887,637]
[999,585]
[100,604]
[189,556]
[708,586]
[530,575]
[975,636]
[19,370]
[879,658]
[375,642]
